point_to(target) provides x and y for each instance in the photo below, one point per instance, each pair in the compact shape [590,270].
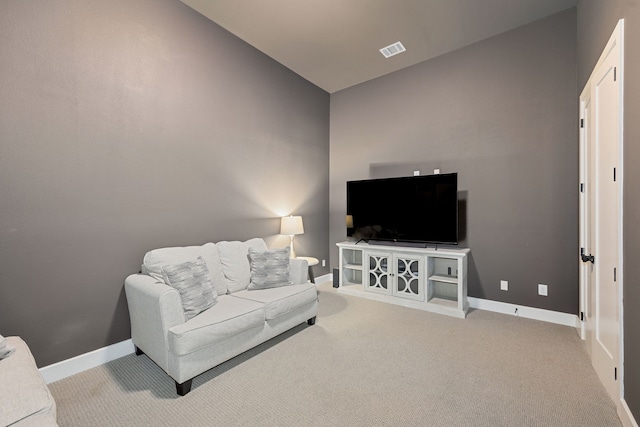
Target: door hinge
[582,316]
[582,187]
[615,271]
[614,174]
[581,123]
[614,73]
[615,374]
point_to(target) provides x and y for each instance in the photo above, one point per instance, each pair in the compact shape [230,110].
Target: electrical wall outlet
[504,285]
[542,290]
[324,262]
[436,171]
[416,173]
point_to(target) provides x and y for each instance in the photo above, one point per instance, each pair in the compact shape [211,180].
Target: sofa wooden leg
[139,352]
[184,388]
[312,321]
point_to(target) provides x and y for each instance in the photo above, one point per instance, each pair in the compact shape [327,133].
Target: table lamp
[291,225]
[349,221]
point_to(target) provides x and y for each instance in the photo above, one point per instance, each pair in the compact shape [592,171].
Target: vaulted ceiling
[335,43]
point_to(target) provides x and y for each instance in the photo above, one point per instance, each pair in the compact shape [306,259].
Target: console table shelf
[444,302]
[423,278]
[446,279]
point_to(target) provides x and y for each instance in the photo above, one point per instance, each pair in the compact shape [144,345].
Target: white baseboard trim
[557,317]
[625,415]
[80,363]
[324,278]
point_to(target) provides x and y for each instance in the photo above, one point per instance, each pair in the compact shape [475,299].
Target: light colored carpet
[364,363]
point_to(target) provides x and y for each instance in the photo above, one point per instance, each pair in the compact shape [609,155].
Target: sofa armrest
[154,308]
[25,399]
[299,271]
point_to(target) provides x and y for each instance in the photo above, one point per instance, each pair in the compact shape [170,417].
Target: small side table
[311,261]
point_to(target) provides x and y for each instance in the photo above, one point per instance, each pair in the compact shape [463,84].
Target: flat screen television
[420,209]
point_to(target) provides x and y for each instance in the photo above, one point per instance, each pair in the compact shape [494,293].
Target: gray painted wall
[596,21]
[501,113]
[131,125]
[134,125]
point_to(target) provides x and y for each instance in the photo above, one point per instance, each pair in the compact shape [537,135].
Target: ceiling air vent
[392,49]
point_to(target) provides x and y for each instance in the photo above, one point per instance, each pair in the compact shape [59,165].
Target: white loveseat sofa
[240,319]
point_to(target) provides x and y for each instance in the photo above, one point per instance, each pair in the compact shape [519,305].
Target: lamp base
[292,253]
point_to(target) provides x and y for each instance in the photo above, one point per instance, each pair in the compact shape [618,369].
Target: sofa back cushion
[154,261]
[234,258]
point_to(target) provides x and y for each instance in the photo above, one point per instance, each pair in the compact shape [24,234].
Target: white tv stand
[424,278]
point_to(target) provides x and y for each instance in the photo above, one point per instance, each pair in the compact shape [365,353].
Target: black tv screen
[421,209]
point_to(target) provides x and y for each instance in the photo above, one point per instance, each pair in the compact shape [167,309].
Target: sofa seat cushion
[282,300]
[23,392]
[227,318]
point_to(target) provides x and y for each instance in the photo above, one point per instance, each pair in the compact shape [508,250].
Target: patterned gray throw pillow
[6,350]
[269,268]
[194,283]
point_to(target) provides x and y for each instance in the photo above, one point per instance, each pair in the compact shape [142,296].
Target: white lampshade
[349,221]
[291,225]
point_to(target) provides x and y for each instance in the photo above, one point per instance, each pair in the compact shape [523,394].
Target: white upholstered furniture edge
[240,320]
[25,399]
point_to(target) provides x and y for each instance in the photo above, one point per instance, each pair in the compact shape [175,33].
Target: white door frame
[615,42]
[584,243]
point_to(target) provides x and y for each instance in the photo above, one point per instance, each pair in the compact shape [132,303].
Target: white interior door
[601,207]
